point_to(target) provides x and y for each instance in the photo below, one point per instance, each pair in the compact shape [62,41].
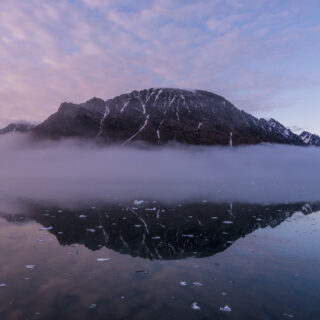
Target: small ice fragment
[122,297]
[288,315]
[188,235]
[198,284]
[103,259]
[46,229]
[92,306]
[225,309]
[3,284]
[183,283]
[30,266]
[214,218]
[138,225]
[60,211]
[82,216]
[195,306]
[156,238]
[91,230]
[227,222]
[137,202]
[224,293]
[142,271]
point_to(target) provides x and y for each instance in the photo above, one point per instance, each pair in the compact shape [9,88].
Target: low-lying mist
[72,171]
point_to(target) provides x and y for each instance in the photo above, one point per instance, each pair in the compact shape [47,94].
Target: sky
[262,55]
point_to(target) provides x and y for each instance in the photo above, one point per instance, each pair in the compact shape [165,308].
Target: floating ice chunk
[225,309]
[214,218]
[195,306]
[82,216]
[198,284]
[92,306]
[91,230]
[142,271]
[30,266]
[138,225]
[188,235]
[46,229]
[137,202]
[103,259]
[183,283]
[156,238]
[227,222]
[3,284]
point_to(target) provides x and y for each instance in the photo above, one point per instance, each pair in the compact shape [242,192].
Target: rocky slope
[310,139]
[73,120]
[162,115]
[17,127]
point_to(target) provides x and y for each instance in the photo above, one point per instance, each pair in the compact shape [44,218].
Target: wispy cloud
[252,52]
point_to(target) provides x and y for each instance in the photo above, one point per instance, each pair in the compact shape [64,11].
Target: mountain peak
[18,126]
[164,115]
[310,139]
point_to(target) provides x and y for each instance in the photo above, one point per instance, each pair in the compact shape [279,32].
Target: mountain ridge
[163,115]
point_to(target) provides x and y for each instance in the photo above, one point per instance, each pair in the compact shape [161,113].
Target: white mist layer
[73,171]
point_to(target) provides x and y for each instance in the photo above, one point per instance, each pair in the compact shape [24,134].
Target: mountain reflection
[155,231]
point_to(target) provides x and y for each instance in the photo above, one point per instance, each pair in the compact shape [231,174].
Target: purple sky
[263,56]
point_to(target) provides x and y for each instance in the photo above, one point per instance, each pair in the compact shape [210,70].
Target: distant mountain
[17,127]
[310,139]
[162,115]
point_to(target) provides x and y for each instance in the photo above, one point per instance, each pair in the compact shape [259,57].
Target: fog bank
[75,171]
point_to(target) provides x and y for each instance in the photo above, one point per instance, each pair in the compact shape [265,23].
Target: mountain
[310,139]
[17,127]
[163,115]
[73,120]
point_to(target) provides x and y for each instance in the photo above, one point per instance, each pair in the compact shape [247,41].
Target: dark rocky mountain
[163,115]
[310,139]
[17,127]
[155,231]
[73,120]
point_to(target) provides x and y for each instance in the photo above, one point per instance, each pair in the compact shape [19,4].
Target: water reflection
[151,230]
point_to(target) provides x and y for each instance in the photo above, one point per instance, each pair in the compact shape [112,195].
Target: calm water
[152,261]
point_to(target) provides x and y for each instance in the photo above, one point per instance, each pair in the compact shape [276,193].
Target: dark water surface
[146,260]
